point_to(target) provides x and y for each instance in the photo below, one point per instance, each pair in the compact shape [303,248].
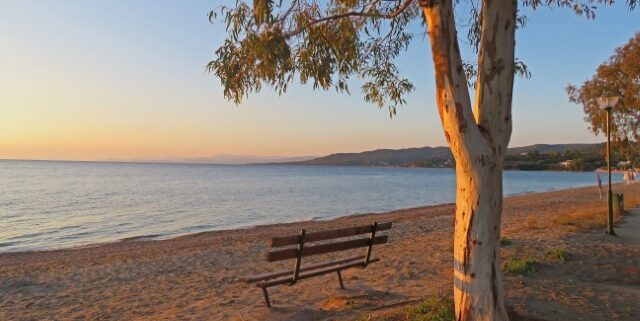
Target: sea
[47,205]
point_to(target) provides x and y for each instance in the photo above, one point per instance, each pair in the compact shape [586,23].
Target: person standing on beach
[599,182]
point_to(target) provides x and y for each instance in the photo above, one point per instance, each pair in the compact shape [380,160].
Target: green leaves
[325,42]
[316,42]
[328,51]
[471,73]
[521,69]
[258,58]
[384,82]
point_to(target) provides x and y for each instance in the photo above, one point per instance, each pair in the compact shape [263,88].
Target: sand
[195,277]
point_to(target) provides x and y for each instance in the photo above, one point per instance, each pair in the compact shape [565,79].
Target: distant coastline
[539,157]
[162,238]
[90,202]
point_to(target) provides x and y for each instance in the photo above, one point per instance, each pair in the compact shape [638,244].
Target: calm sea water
[48,205]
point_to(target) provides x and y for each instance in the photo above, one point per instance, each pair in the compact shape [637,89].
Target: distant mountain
[383,157]
[244,159]
[222,159]
[429,156]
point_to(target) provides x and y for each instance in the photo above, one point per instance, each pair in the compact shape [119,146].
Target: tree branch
[452,93]
[287,13]
[362,13]
[496,64]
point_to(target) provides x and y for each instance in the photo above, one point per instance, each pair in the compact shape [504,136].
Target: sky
[126,80]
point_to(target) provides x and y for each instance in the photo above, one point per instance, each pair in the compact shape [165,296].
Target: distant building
[567,163]
[624,163]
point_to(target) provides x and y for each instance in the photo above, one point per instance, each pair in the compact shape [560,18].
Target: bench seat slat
[324,248]
[271,275]
[288,279]
[328,235]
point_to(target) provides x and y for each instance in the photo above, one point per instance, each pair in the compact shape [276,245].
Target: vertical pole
[609,194]
[372,236]
[266,297]
[296,269]
[340,279]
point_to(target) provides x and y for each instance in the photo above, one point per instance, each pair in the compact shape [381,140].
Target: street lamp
[607,104]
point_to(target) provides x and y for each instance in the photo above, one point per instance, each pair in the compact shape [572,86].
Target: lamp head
[608,102]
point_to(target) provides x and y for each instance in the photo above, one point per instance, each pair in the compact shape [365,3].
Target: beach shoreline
[97,203]
[196,276]
[160,237]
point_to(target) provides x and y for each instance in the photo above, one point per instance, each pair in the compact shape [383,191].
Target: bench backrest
[303,248]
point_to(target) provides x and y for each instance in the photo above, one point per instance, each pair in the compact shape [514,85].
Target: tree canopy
[618,76]
[325,42]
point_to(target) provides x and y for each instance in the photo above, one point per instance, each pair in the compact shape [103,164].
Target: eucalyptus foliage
[325,42]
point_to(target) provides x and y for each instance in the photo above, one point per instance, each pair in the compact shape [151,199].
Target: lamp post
[607,104]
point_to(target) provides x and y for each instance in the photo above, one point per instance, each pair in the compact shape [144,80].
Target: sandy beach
[195,277]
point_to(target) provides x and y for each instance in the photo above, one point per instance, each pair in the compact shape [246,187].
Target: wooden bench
[300,246]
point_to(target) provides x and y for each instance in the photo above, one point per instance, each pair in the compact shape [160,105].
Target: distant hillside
[544,155]
[383,157]
[558,148]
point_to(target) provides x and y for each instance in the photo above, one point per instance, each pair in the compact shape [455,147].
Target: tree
[618,76]
[327,41]
[625,149]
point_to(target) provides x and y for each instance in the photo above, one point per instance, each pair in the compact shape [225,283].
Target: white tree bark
[478,143]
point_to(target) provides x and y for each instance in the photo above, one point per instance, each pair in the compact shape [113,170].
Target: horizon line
[184,160]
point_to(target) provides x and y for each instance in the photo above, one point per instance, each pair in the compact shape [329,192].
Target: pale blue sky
[125,79]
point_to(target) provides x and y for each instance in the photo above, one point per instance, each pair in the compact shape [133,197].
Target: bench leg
[266,297]
[340,279]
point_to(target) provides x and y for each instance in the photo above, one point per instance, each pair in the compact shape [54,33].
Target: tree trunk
[478,142]
[478,293]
